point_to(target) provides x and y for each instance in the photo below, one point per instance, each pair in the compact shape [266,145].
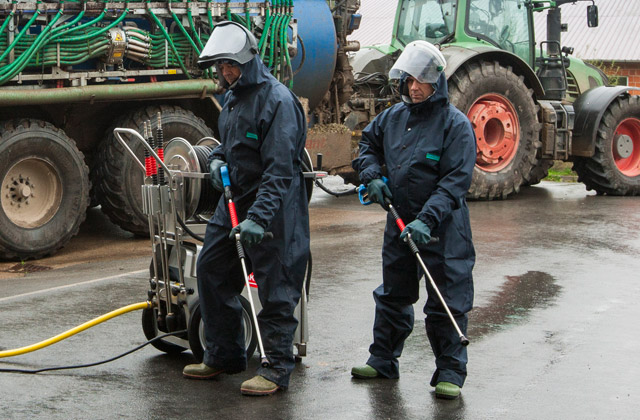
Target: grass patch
[561,172]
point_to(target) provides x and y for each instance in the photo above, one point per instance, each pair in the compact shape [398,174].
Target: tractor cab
[506,25]
[503,24]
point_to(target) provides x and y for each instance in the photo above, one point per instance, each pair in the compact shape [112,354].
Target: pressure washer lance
[160,148]
[234,222]
[414,248]
[154,166]
[148,173]
[158,179]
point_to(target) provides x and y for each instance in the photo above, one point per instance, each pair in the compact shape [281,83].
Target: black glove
[377,191]
[214,171]
[251,233]
[420,232]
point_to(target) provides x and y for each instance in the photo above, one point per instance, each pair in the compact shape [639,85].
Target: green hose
[247,14]
[208,73]
[73,42]
[17,66]
[170,41]
[99,31]
[21,34]
[262,45]
[209,17]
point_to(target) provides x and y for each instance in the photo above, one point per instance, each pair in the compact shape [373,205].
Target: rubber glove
[420,232]
[377,191]
[251,233]
[214,171]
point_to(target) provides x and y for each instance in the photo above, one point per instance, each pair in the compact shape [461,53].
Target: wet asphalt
[553,332]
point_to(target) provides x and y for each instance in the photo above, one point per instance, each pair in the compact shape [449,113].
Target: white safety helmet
[420,59]
[229,41]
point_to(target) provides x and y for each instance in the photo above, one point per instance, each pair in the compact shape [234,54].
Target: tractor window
[504,23]
[429,20]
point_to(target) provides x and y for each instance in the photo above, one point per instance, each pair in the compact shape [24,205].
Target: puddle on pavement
[518,295]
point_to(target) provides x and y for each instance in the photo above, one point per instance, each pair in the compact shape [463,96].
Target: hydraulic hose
[20,34]
[17,66]
[76,330]
[169,40]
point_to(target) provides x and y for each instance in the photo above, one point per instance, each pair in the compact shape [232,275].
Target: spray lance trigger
[363,195]
[226,182]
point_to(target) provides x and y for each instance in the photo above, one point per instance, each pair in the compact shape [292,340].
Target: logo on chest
[431,156]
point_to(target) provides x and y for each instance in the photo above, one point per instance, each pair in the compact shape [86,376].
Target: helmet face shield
[229,41]
[421,60]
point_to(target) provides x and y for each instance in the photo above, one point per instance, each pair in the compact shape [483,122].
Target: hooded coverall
[263,131]
[429,152]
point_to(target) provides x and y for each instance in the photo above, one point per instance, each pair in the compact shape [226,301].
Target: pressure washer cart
[178,200]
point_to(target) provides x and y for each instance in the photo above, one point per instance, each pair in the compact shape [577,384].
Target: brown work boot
[258,385]
[200,371]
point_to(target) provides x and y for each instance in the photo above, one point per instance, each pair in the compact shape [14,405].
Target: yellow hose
[76,330]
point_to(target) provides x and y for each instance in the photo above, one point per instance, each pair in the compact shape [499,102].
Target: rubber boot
[447,390]
[258,386]
[200,371]
[364,372]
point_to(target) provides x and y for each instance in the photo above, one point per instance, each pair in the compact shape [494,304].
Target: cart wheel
[150,328]
[196,331]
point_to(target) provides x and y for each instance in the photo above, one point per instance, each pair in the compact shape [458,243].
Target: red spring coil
[161,154]
[147,166]
[400,224]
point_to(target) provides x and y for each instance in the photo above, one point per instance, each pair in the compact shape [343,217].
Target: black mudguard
[590,108]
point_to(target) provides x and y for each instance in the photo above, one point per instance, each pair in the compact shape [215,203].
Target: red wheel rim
[626,147]
[495,123]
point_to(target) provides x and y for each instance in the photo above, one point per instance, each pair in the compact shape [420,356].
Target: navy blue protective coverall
[263,131]
[429,152]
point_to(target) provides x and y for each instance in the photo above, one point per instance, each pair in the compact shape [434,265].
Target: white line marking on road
[53,289]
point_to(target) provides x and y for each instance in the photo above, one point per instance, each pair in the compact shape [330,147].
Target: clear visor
[420,64]
[225,40]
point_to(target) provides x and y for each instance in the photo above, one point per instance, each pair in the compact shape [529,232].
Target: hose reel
[200,198]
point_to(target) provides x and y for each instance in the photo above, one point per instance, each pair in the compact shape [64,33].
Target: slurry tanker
[71,71]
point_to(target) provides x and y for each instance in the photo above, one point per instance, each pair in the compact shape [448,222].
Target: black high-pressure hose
[320,185]
[34,371]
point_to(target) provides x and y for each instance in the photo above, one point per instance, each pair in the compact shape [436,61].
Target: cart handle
[118,133]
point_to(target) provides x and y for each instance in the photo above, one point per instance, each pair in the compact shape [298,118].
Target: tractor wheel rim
[31,193]
[628,163]
[495,123]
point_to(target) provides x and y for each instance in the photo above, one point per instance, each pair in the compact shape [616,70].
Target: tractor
[530,104]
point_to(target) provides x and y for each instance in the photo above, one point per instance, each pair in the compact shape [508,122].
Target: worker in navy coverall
[263,132]
[428,147]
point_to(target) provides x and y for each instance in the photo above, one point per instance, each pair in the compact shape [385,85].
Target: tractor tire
[196,331]
[505,121]
[118,179]
[539,172]
[614,169]
[45,189]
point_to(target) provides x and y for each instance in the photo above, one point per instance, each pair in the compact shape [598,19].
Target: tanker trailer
[71,71]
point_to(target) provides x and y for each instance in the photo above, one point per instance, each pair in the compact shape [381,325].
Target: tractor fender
[457,56]
[589,109]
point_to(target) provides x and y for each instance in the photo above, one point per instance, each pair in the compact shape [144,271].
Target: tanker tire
[151,331]
[196,331]
[474,80]
[33,150]
[600,172]
[118,180]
